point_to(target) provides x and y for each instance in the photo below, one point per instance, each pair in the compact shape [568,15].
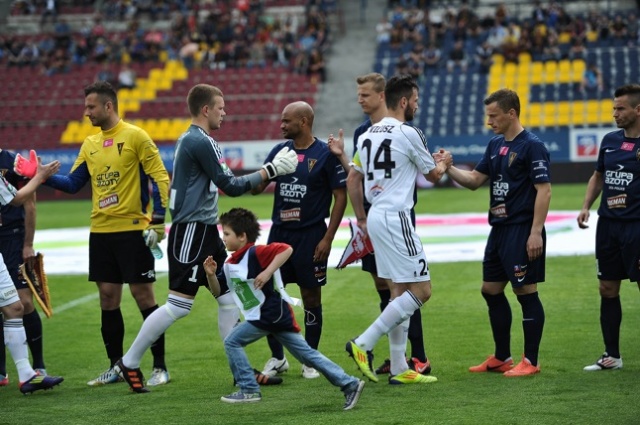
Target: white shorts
[397,247]
[8,291]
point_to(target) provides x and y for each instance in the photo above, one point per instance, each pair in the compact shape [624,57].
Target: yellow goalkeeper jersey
[124,164]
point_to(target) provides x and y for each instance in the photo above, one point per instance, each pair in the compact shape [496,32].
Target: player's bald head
[300,109]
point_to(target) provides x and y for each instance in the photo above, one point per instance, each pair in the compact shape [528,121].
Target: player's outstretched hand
[285,162]
[210,265]
[336,145]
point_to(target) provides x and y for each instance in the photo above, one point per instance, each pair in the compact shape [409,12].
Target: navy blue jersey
[356,135]
[10,217]
[304,198]
[619,163]
[514,168]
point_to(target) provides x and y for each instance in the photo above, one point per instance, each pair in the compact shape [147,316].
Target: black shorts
[11,248]
[300,267]
[189,245]
[618,250]
[120,257]
[506,258]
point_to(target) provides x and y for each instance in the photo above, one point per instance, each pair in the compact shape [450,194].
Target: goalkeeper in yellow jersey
[127,175]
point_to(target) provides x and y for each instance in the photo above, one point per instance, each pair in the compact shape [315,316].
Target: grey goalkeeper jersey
[198,171]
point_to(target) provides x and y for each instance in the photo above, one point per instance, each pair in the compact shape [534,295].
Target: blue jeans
[245,333]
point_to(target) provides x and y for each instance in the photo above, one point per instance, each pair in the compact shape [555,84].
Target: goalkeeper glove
[153,234]
[26,167]
[285,162]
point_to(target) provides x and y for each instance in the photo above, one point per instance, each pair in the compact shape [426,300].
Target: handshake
[285,162]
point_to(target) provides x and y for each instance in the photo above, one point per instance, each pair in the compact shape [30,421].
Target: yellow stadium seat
[524,58]
[537,71]
[565,74]
[578,67]
[564,37]
[606,108]
[550,72]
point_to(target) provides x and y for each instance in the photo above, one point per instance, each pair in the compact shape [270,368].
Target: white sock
[15,338]
[154,326]
[228,314]
[396,312]
[398,347]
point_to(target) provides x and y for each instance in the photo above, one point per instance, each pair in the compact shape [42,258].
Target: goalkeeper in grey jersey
[199,170]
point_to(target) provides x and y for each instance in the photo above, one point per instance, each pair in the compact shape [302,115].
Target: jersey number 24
[381,160]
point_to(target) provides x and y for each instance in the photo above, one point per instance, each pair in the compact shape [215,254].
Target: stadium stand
[43,97]
[547,80]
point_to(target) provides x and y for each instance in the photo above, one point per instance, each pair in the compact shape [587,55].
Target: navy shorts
[11,248]
[189,245]
[120,257]
[506,259]
[369,264]
[618,250]
[300,267]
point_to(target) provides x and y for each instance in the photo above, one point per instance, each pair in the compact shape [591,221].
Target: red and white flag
[359,245]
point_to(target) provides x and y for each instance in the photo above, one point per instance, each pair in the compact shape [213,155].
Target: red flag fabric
[359,246]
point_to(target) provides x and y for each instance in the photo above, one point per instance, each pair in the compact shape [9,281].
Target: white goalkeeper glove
[153,234]
[285,162]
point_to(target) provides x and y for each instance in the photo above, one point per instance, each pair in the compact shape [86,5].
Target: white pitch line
[82,300]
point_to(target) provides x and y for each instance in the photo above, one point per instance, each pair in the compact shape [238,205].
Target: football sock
[277,351]
[532,325]
[610,320]
[385,297]
[228,314]
[113,333]
[3,355]
[398,310]
[16,340]
[416,336]
[500,319]
[33,328]
[154,326]
[398,347]
[157,348]
[313,326]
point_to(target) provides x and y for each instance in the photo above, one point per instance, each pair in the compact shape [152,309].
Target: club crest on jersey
[638,155]
[120,145]
[627,146]
[512,157]
[311,162]
[107,143]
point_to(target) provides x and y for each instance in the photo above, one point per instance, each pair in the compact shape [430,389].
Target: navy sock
[416,336]
[313,326]
[500,319]
[385,296]
[33,329]
[532,325]
[610,320]
[3,354]
[113,334]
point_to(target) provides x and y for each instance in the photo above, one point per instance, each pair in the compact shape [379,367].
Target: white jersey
[390,155]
